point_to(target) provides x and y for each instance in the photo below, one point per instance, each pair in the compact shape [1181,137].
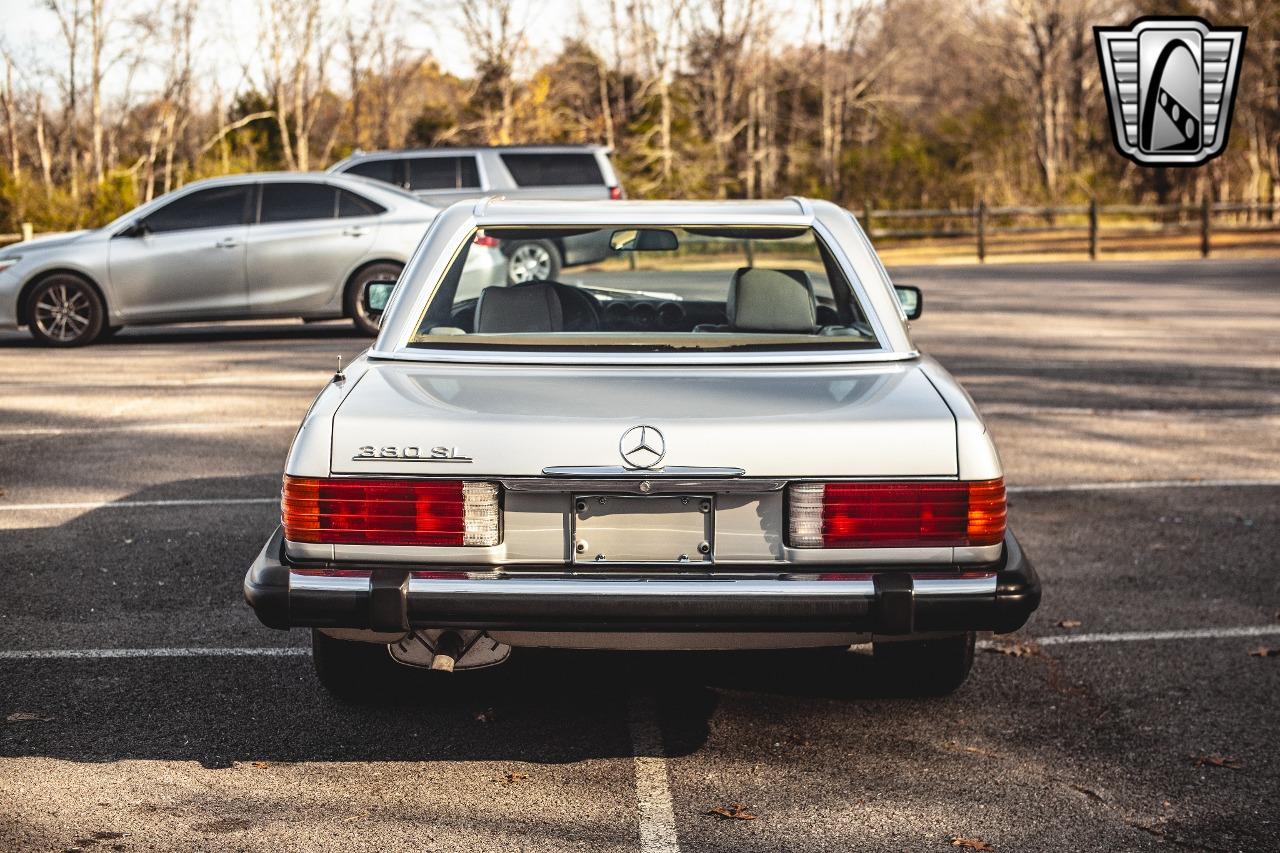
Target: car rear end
[496,533]
[460,500]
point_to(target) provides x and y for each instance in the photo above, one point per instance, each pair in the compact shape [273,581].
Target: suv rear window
[553,170]
[443,173]
[387,171]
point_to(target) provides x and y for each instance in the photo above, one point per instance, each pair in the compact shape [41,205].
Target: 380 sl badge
[411,453]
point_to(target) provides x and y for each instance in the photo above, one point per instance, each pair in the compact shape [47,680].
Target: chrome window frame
[402,320]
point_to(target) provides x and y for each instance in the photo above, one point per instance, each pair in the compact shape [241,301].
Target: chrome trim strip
[302,582]
[644,473]
[640,483]
[699,587]
[656,588]
[703,358]
[970,585]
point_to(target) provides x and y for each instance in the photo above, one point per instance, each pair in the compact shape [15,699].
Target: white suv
[441,176]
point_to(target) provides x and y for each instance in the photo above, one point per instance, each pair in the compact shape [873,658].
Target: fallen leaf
[970,843]
[1070,623]
[515,776]
[973,750]
[261,764]
[1216,761]
[1265,652]
[488,715]
[26,717]
[733,811]
[1014,649]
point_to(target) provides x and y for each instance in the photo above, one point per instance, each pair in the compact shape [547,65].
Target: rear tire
[64,310]
[353,671]
[353,299]
[933,667]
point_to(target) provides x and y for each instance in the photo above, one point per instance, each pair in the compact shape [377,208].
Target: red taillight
[483,240]
[615,193]
[897,514]
[389,512]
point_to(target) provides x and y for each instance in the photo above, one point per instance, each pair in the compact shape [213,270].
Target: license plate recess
[677,529]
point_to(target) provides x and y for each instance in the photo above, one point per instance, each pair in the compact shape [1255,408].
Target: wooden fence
[1076,228]
[1082,227]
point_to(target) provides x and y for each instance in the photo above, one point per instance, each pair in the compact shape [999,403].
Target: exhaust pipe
[448,650]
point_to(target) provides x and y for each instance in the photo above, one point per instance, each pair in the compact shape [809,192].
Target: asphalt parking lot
[1137,408]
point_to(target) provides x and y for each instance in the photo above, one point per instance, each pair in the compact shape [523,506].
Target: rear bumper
[996,597]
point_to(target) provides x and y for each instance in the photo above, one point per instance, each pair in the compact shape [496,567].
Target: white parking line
[1121,485]
[645,735]
[1127,485]
[657,819]
[36,432]
[131,504]
[180,652]
[1124,412]
[244,381]
[656,815]
[1153,636]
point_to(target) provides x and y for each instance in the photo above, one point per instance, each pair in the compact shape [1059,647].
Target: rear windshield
[553,170]
[644,288]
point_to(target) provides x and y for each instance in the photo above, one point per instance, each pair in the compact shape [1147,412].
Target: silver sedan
[244,247]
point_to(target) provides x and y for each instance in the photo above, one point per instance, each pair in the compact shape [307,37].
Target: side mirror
[911,300]
[136,229]
[375,297]
[644,240]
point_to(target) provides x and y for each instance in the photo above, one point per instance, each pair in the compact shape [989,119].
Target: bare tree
[298,44]
[719,40]
[495,39]
[658,33]
[97,40]
[8,102]
[70,17]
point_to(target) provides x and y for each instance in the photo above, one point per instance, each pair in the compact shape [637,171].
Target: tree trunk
[606,110]
[11,124]
[97,35]
[42,148]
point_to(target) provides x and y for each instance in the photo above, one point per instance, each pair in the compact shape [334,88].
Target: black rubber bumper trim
[266,586]
[896,608]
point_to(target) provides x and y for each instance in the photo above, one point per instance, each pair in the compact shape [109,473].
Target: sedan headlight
[5,263]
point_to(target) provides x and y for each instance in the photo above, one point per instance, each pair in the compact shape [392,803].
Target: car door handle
[228,243]
[354,231]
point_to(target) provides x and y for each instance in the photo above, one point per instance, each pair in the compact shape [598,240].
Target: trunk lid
[868,420]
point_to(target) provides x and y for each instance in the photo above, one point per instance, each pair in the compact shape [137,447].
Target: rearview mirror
[644,240]
[911,300]
[376,295]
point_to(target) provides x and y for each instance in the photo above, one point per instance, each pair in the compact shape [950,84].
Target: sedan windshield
[644,287]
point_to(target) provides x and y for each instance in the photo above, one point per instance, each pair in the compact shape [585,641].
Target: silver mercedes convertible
[718,437]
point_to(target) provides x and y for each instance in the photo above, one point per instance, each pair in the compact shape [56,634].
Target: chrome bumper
[997,597]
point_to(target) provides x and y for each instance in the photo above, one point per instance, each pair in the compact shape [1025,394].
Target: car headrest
[523,308]
[768,300]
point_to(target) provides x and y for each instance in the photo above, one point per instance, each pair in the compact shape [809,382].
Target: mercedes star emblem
[642,447]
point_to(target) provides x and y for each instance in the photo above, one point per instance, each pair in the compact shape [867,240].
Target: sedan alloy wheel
[65,311]
[533,261]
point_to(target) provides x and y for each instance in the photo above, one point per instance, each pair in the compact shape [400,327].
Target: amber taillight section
[899,514]
[389,512]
